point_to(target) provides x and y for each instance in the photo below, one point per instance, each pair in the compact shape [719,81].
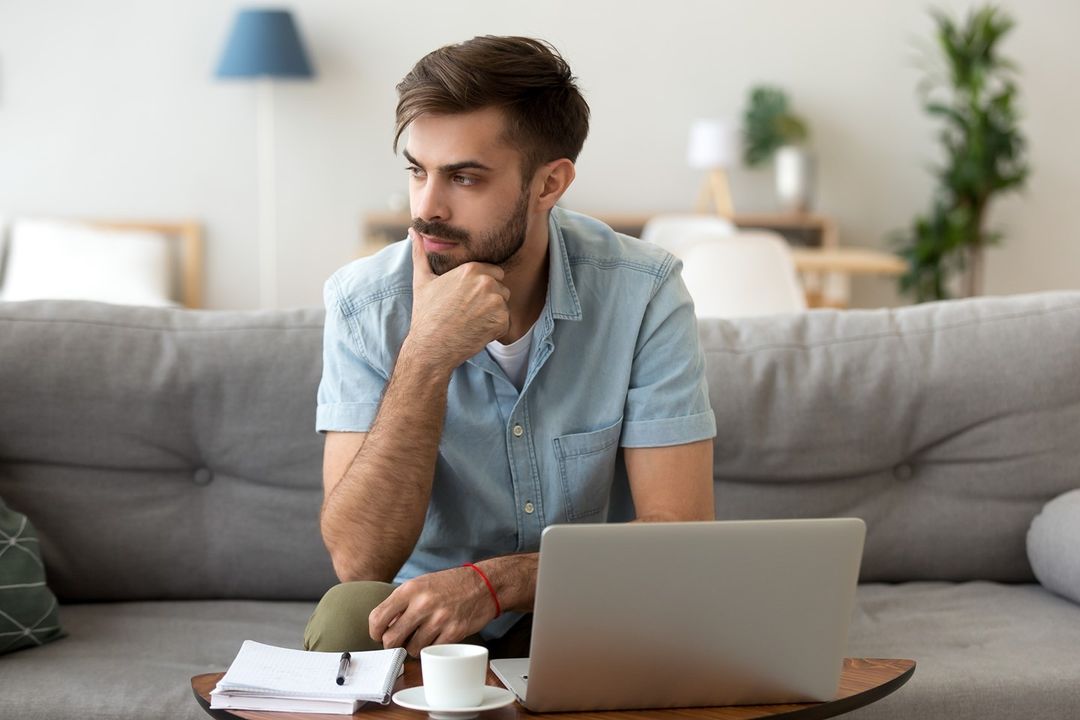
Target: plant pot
[794,178]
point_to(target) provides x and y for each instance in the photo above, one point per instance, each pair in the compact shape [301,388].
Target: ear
[553,178]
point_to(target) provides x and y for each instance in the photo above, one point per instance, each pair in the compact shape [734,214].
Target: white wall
[109,109]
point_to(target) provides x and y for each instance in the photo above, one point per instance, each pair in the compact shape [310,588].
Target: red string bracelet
[491,589]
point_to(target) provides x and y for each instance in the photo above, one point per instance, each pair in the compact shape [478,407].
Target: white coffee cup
[454,675]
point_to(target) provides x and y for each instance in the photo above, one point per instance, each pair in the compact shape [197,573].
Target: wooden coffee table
[863,681]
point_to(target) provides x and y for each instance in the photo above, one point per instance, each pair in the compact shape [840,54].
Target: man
[480,378]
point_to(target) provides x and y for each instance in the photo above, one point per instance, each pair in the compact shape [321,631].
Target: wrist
[427,363]
[513,579]
[490,588]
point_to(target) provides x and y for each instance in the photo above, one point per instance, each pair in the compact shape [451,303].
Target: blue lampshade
[264,43]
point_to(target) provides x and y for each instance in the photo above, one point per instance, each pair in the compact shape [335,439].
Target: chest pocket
[587,469]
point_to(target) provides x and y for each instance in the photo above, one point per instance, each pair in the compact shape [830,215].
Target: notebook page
[268,670]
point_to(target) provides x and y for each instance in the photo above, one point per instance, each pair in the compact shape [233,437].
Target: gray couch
[169,461]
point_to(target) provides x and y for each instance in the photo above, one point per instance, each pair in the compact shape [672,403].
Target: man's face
[465,189]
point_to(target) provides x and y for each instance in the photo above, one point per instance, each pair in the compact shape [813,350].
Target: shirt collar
[561,304]
[562,296]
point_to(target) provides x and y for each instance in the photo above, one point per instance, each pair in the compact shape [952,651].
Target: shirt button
[529,508]
[518,432]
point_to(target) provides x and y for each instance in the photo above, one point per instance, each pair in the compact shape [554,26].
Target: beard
[495,247]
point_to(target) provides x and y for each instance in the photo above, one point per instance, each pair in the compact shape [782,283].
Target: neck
[527,279]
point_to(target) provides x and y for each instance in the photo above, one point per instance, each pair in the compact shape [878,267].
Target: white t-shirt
[513,358]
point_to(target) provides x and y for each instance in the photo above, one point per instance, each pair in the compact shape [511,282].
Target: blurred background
[112,109]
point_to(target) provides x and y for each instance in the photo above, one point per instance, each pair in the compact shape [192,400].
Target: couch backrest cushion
[171,454]
[165,453]
[946,427]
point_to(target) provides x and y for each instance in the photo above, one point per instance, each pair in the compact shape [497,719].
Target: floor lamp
[265,45]
[713,148]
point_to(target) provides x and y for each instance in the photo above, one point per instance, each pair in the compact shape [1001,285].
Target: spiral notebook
[265,677]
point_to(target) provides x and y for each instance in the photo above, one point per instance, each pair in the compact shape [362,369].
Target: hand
[434,609]
[456,314]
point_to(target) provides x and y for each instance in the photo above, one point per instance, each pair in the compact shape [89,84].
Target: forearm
[372,518]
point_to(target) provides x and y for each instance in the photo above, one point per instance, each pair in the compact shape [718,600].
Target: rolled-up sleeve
[668,399]
[351,387]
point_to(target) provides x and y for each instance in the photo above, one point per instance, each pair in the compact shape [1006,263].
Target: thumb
[422,273]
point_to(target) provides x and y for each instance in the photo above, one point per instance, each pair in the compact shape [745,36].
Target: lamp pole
[263,45]
[268,243]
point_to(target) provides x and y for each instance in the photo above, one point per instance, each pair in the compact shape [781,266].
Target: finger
[423,636]
[398,634]
[496,284]
[378,632]
[422,273]
[385,614]
[445,637]
[484,268]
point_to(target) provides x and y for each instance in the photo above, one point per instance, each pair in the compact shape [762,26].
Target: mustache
[440,230]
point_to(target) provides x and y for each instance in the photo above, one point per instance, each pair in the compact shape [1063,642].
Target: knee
[340,620]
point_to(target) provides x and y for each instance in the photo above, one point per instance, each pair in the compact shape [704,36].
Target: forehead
[480,135]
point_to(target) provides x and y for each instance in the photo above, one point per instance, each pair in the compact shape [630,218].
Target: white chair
[742,275]
[675,233]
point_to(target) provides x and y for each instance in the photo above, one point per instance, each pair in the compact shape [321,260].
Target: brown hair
[546,115]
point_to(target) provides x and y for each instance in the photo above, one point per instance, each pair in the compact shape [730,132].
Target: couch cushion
[135,660]
[946,427]
[984,650]
[28,610]
[165,453]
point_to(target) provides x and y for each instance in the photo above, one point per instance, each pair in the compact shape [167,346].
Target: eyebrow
[452,167]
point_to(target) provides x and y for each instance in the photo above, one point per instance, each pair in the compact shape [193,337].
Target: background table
[825,267]
[863,681]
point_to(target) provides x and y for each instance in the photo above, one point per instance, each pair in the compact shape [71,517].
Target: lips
[433,244]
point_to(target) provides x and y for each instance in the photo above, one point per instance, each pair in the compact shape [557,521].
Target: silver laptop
[697,614]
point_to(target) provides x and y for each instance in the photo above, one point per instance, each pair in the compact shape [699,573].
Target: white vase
[794,178]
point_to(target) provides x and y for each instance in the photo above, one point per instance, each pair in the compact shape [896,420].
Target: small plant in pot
[973,94]
[771,129]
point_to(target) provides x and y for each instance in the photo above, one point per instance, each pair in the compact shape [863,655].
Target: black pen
[343,667]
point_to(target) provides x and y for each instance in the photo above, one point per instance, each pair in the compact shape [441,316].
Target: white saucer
[413,698]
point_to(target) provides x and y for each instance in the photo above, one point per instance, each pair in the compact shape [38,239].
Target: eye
[415,171]
[465,180]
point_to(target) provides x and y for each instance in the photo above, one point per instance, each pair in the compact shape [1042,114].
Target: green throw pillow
[28,609]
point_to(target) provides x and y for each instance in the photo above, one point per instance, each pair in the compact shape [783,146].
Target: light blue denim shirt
[615,362]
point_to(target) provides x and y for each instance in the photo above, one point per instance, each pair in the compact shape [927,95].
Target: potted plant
[984,155]
[771,128]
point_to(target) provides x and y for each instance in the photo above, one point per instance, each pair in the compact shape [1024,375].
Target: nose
[428,200]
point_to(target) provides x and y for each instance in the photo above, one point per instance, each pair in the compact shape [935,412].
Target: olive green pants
[340,622]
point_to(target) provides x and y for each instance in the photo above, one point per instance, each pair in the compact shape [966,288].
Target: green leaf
[768,124]
[984,149]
